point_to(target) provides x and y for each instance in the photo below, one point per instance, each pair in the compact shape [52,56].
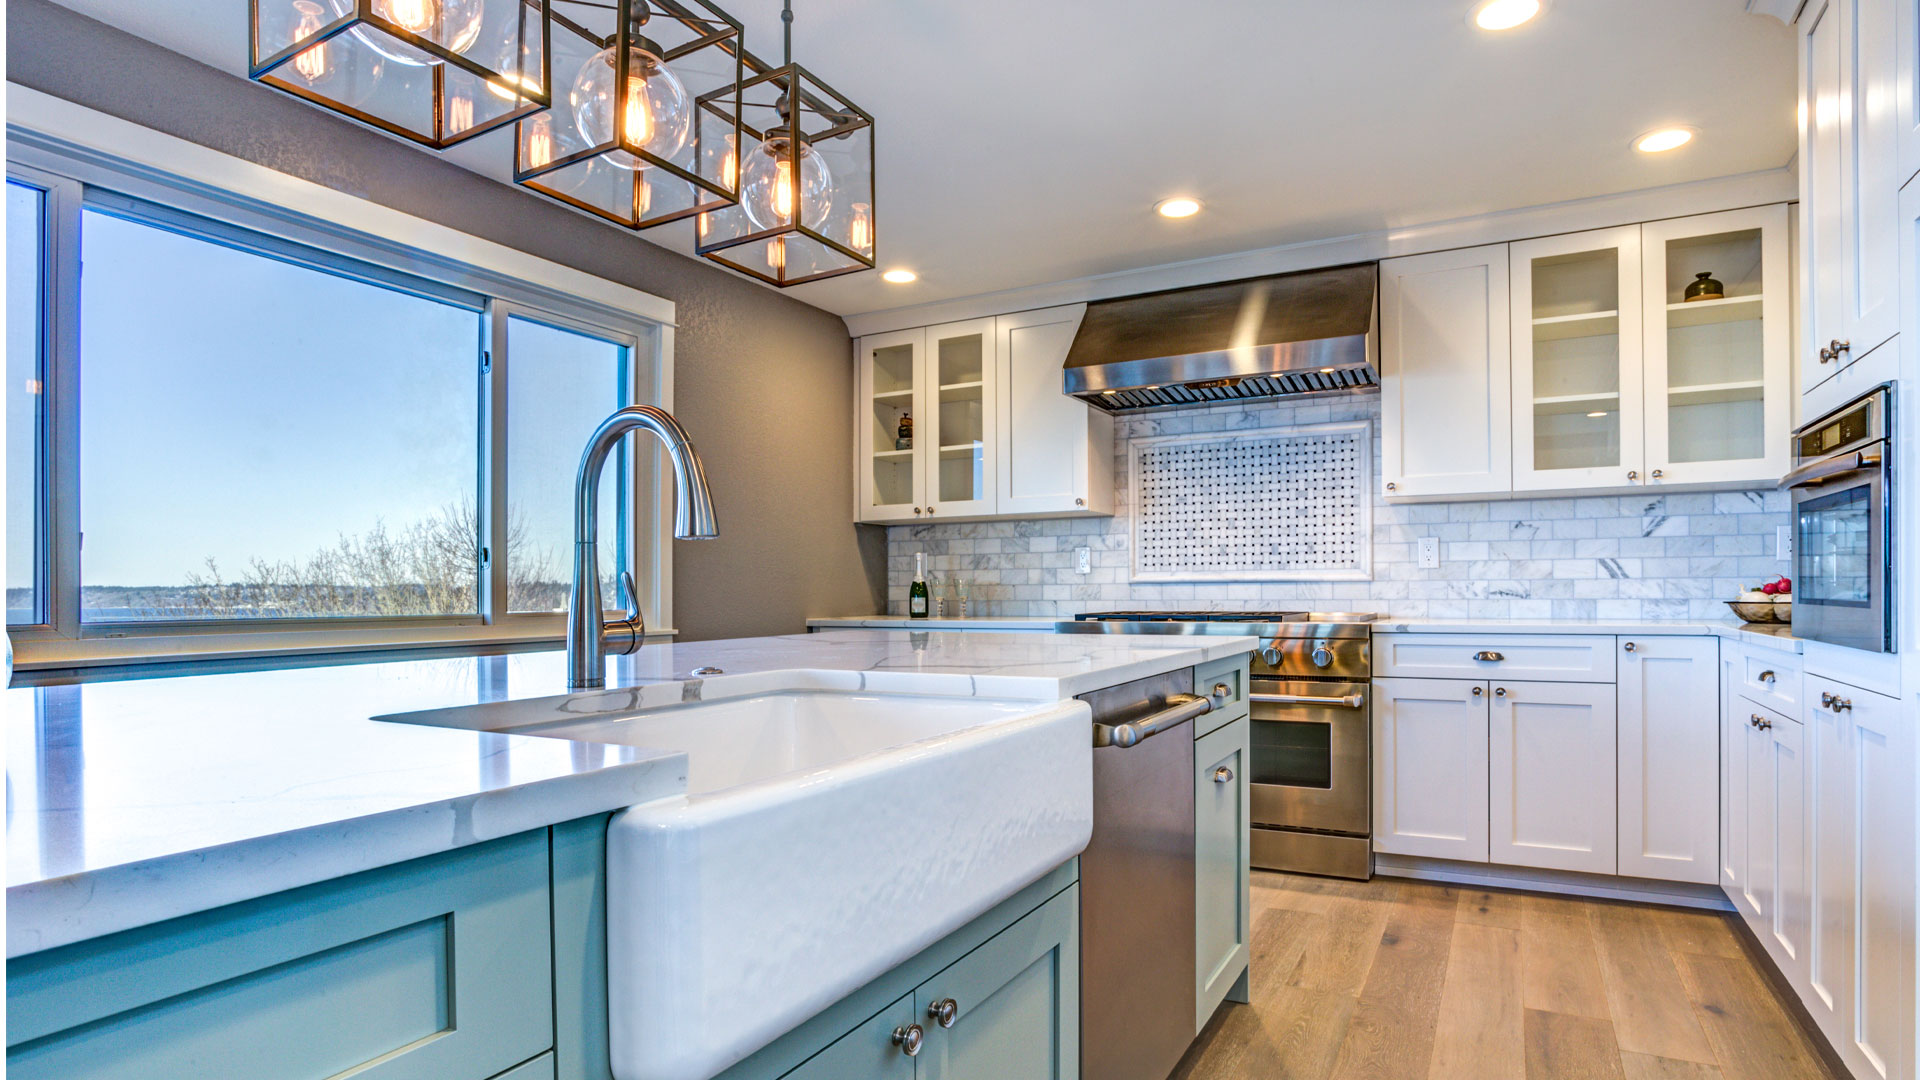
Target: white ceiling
[1022,143]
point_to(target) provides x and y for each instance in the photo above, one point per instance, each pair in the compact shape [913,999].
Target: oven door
[1309,766]
[1842,583]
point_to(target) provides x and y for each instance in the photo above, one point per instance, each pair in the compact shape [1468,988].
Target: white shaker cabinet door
[1550,766]
[1056,452]
[1669,755]
[1733,779]
[1430,768]
[1776,893]
[1445,381]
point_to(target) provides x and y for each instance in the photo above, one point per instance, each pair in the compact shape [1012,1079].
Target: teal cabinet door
[1010,1009]
[438,969]
[1222,857]
[872,1051]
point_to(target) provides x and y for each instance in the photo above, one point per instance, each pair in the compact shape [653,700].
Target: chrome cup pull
[1765,677]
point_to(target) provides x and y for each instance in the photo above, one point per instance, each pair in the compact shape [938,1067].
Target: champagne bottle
[917,595]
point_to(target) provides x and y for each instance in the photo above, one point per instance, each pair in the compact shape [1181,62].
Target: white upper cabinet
[1850,172]
[892,481]
[1446,385]
[989,431]
[1907,87]
[1717,370]
[1056,452]
[1577,416]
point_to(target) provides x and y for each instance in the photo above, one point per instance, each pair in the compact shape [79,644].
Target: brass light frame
[711,29]
[527,99]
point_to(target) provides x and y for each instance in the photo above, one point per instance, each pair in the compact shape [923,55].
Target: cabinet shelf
[1713,393]
[1575,403]
[890,455]
[891,395]
[962,450]
[962,391]
[1703,312]
[1585,324]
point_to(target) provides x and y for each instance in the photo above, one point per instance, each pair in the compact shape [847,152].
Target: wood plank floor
[1403,980]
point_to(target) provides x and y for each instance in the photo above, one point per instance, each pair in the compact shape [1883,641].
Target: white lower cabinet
[1860,872]
[1733,781]
[1430,768]
[1669,746]
[1550,753]
[1774,900]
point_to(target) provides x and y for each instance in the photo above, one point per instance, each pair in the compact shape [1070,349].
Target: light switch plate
[1783,543]
[1429,553]
[1083,560]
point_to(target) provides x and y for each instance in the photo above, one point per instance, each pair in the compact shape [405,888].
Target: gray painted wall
[761,380]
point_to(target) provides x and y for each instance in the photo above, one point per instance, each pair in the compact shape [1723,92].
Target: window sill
[43,660]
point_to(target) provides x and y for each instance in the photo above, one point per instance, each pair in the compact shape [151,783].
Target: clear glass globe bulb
[659,116]
[769,193]
[451,24]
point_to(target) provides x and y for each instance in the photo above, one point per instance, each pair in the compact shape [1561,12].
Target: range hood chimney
[1310,332]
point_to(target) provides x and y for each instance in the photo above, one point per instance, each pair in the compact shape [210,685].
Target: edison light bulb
[451,24]
[657,117]
[539,135]
[860,233]
[769,191]
[313,65]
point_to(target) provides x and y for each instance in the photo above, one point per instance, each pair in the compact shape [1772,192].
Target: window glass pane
[560,387]
[264,440]
[23,400]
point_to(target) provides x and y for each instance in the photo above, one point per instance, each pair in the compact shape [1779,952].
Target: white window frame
[78,155]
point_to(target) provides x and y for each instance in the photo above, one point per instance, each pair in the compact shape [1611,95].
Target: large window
[223,423]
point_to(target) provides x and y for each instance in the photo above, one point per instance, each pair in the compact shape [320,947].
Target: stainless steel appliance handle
[1351,701]
[1180,709]
[1816,472]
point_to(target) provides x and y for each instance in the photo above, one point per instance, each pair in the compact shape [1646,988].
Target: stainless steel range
[1312,728]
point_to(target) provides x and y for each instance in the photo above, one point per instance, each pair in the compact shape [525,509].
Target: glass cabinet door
[1717,338]
[1576,360]
[961,471]
[892,389]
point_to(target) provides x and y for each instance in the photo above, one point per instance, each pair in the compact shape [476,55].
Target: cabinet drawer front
[868,1052]
[361,974]
[1016,1002]
[1770,679]
[1226,682]
[1535,658]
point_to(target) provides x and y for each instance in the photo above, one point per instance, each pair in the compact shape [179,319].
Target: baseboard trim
[1565,882]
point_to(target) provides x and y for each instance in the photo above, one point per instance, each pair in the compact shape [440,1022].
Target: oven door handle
[1180,709]
[1351,701]
[1819,472]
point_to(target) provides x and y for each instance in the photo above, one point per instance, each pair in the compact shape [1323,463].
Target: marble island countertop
[135,801]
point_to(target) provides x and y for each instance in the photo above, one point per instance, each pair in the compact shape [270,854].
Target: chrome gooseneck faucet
[587,627]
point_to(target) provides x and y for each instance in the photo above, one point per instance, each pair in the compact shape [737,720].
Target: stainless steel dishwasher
[1137,881]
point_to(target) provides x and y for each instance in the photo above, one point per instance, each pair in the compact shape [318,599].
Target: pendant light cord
[786,17]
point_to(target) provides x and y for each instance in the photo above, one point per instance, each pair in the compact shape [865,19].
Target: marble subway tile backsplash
[1642,556]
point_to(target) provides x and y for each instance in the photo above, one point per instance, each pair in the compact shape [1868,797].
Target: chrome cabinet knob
[1221,692]
[1633,474]
[1489,655]
[909,1039]
[1479,691]
[1826,354]
[1499,691]
[1761,722]
[1322,656]
[1840,347]
[916,511]
[1393,487]
[1079,502]
[944,1012]
[1657,473]
[1221,775]
[1841,704]
[929,509]
[1826,700]
[1630,647]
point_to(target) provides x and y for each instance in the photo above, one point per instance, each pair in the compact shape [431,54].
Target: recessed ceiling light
[1504,14]
[1661,140]
[1177,207]
[900,277]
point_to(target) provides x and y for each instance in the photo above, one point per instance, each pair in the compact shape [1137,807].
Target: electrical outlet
[1429,553]
[1083,560]
[1783,543]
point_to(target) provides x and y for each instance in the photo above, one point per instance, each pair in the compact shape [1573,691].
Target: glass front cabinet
[967,421]
[1653,354]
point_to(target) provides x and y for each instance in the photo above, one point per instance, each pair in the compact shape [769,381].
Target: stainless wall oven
[1842,484]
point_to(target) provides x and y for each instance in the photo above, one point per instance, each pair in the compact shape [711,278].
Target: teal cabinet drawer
[1225,681]
[1014,1001]
[1222,848]
[868,1052]
[437,969]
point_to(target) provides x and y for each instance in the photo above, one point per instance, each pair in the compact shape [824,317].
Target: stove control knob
[1322,656]
[1271,655]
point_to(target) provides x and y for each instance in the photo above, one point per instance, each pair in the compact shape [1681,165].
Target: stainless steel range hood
[1305,333]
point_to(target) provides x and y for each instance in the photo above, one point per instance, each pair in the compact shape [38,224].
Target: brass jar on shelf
[1704,287]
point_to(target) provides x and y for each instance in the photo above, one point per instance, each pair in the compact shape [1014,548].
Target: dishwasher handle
[1180,709]
[1350,701]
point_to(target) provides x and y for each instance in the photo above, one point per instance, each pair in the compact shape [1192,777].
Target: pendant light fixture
[806,202]
[436,72]
[644,128]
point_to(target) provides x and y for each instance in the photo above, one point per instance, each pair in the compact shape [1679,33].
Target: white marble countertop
[901,622]
[134,801]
